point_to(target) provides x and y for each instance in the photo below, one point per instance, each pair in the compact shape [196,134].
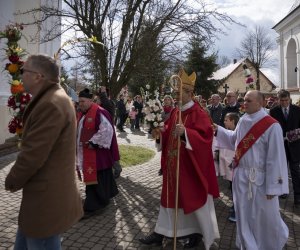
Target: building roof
[294,8]
[226,71]
[229,69]
[295,5]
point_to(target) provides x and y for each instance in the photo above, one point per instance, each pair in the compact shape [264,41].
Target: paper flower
[153,113]
[18,101]
[293,135]
[13,68]
[249,79]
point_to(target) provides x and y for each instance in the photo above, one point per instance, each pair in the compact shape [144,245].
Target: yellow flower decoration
[16,82]
[13,68]
[93,39]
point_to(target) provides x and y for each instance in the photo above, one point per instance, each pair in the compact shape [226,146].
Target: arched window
[291,64]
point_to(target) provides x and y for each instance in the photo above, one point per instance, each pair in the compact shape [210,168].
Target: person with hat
[197,177]
[97,150]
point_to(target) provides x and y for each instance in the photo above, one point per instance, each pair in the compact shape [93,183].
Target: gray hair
[45,65]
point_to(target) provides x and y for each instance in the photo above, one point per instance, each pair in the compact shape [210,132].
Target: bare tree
[223,61]
[118,25]
[258,47]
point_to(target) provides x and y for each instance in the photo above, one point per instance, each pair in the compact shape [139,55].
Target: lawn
[134,155]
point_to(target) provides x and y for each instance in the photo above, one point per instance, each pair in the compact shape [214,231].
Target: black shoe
[153,238]
[160,172]
[117,169]
[283,196]
[117,173]
[192,242]
[232,217]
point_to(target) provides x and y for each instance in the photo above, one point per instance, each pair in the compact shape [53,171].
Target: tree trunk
[257,79]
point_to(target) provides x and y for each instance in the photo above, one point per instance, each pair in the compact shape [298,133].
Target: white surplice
[102,138]
[202,221]
[261,171]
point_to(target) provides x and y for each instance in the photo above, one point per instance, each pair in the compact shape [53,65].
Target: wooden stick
[177,167]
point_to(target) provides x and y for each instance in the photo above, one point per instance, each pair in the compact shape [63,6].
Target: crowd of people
[250,141]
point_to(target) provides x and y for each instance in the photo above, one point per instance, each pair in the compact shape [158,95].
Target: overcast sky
[250,13]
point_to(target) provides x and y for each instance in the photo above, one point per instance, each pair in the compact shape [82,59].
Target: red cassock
[197,176]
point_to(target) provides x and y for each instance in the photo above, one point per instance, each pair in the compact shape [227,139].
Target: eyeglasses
[22,71]
[230,96]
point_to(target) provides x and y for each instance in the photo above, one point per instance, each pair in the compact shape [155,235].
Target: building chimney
[234,61]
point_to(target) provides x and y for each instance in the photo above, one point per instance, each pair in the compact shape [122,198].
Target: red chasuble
[197,176]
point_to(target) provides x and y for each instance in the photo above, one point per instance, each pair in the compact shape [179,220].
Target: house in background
[232,78]
[289,50]
[8,16]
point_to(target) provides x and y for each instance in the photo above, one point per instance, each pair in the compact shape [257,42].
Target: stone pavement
[133,212]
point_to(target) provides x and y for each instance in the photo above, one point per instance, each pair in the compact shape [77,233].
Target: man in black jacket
[106,103]
[138,104]
[215,109]
[232,106]
[121,113]
[288,115]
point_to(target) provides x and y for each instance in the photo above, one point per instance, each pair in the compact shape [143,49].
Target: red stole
[89,167]
[250,138]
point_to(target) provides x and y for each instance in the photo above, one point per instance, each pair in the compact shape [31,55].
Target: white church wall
[7,16]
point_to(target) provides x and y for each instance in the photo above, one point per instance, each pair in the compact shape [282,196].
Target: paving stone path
[133,212]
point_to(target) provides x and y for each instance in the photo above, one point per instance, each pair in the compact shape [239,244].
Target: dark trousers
[132,123]
[122,119]
[295,173]
[137,121]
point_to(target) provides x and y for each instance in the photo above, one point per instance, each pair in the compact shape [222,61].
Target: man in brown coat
[45,166]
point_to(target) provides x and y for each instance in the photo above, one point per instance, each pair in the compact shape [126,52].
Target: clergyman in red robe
[197,178]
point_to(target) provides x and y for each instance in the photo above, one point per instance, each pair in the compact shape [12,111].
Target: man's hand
[270,197]
[179,130]
[214,127]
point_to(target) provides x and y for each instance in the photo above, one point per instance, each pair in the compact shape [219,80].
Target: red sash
[89,168]
[250,138]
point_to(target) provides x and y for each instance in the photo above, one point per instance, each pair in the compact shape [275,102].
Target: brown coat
[45,166]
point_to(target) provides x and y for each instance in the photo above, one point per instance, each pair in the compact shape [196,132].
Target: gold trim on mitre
[188,82]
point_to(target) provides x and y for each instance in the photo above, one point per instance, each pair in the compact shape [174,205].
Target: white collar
[257,113]
[187,105]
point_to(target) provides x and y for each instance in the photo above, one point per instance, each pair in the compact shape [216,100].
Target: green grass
[134,155]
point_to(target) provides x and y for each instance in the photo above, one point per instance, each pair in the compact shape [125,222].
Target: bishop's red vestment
[197,177]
